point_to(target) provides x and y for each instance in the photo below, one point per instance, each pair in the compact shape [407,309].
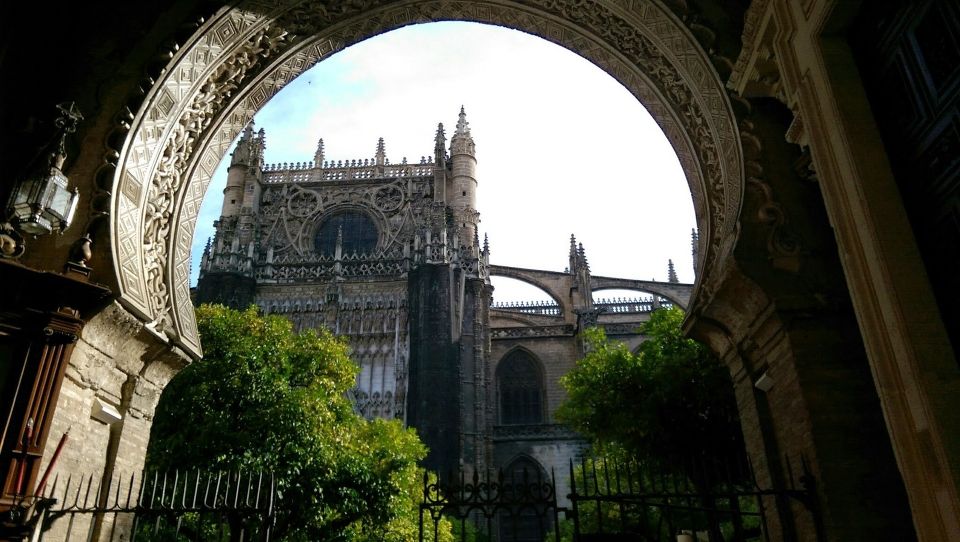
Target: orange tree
[266,398]
[670,403]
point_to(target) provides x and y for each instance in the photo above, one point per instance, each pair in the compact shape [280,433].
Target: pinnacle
[463,127]
[318,156]
[440,139]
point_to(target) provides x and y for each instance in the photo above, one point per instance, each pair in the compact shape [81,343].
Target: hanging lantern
[43,202]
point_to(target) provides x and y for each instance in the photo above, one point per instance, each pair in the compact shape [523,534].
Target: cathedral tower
[462,185]
[227,268]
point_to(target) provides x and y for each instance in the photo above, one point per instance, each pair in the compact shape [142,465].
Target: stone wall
[119,363]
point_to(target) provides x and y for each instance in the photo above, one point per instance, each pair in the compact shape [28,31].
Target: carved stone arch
[524,350]
[514,467]
[244,54]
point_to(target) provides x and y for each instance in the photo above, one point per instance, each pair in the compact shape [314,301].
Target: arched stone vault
[243,55]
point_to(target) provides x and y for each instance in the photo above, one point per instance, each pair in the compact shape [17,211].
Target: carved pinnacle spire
[261,143]
[671,272]
[463,127]
[440,141]
[440,146]
[244,153]
[381,152]
[318,156]
[486,245]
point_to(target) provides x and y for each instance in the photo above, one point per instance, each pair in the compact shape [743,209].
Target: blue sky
[561,146]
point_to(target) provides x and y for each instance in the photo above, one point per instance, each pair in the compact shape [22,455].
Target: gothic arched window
[359,234]
[520,389]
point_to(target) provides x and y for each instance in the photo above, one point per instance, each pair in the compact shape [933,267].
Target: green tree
[671,402]
[669,406]
[266,398]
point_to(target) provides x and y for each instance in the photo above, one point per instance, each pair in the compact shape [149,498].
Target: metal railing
[151,507]
[610,500]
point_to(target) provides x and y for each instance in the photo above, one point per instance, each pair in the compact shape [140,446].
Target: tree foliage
[266,398]
[671,402]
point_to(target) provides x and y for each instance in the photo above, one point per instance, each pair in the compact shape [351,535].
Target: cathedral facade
[387,256]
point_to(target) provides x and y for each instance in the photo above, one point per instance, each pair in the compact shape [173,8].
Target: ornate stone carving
[551,431]
[180,145]
[562,330]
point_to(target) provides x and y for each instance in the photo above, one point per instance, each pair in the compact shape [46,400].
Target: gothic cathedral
[387,255]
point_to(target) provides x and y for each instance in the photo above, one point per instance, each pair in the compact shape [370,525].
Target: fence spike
[216,488]
[116,496]
[259,489]
[86,496]
[176,484]
[133,477]
[53,489]
[246,498]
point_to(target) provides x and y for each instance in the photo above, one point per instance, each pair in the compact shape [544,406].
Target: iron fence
[607,500]
[519,506]
[150,507]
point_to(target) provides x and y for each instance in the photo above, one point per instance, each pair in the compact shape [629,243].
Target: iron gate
[609,501]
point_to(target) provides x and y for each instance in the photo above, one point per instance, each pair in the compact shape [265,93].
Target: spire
[245,147]
[440,146]
[582,255]
[463,127]
[486,245]
[318,156]
[261,144]
[381,153]
[671,272]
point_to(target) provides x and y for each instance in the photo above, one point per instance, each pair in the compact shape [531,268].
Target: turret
[245,169]
[462,187]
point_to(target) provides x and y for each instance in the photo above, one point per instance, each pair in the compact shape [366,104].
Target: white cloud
[562,147]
